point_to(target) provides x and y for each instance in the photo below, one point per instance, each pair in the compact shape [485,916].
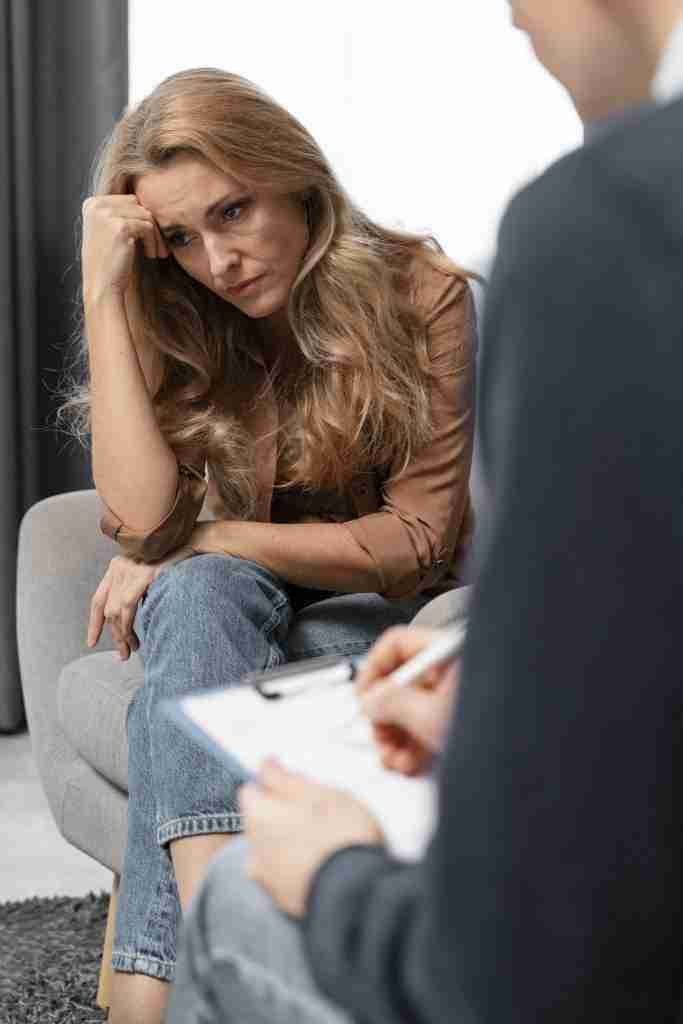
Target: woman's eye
[233,212]
[177,240]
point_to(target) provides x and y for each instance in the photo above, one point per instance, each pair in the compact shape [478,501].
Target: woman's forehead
[185,186]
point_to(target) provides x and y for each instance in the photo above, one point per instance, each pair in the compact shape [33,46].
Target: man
[552,889]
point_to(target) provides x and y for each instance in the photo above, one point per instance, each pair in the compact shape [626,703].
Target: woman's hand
[111,227]
[409,723]
[116,599]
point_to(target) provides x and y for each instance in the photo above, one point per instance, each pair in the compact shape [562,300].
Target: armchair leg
[106,970]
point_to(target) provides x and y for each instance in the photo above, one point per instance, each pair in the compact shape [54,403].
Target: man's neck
[649,27]
[652,24]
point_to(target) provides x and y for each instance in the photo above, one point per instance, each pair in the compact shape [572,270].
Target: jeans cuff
[199,825]
[141,963]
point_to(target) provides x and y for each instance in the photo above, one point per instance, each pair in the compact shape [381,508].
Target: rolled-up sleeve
[174,529]
[424,510]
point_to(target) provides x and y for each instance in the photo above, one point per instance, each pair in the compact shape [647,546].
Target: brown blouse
[414,526]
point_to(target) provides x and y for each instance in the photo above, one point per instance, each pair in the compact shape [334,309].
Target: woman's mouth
[240,289]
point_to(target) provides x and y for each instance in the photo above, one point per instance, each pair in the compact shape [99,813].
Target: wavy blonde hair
[362,395]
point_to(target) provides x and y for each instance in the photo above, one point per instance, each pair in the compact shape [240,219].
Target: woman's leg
[203,624]
[347,624]
[242,960]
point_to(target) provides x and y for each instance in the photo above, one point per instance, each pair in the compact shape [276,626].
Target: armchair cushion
[92,700]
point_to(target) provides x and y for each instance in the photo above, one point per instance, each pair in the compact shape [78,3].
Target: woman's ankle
[137,999]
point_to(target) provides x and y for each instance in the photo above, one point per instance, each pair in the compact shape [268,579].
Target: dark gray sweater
[552,890]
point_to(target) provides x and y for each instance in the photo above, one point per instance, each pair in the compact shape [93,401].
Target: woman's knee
[200,584]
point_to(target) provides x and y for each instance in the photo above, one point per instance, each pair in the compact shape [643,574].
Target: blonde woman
[260,352]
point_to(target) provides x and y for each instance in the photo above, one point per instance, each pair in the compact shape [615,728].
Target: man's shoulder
[644,147]
[612,180]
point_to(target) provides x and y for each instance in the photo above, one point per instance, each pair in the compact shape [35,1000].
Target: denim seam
[275,617]
[343,648]
[132,962]
[194,825]
[274,620]
[269,628]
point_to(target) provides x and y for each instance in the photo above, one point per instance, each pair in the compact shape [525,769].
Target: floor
[34,859]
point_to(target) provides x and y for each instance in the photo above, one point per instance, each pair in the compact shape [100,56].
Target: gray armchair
[77,699]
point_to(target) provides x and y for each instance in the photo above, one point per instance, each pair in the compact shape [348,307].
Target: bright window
[432,114]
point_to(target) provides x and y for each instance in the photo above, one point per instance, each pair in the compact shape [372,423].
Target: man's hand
[410,723]
[116,599]
[293,825]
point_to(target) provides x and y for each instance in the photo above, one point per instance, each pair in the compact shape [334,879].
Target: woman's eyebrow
[208,213]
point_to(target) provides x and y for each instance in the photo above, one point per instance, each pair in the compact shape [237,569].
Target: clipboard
[307,729]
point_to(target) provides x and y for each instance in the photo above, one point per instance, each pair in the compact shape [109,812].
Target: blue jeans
[205,622]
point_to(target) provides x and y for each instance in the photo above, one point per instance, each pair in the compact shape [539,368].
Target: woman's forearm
[134,468]
[322,555]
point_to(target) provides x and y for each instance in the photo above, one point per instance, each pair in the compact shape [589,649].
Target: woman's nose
[223,259]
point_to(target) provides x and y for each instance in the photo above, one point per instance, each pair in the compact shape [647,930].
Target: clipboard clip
[302,676]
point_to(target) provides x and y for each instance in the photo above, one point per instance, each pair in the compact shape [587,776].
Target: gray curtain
[63,82]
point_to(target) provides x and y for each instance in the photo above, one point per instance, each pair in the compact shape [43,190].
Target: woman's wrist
[99,300]
[200,540]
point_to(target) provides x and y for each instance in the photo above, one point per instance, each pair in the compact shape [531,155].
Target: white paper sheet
[316,733]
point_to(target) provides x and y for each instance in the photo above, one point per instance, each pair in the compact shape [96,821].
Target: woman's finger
[127,614]
[120,642]
[129,637]
[96,619]
[139,229]
[113,621]
[148,236]
[95,622]
[162,248]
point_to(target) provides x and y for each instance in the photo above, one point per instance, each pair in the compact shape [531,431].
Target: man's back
[553,885]
[570,712]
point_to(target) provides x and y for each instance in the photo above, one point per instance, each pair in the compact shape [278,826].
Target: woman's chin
[262,306]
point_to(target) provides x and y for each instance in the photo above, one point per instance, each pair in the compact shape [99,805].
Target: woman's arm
[134,468]
[412,538]
[320,555]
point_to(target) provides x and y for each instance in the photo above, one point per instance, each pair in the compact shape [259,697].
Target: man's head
[604,52]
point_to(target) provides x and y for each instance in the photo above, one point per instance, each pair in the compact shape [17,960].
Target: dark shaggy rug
[50,952]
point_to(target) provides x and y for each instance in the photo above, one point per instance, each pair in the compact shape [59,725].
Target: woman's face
[245,245]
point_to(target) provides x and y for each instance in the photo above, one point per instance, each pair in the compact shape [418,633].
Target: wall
[431,113]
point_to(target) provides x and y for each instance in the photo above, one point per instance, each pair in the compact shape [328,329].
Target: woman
[260,350]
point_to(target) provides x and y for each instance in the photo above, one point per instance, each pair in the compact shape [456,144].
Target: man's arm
[552,888]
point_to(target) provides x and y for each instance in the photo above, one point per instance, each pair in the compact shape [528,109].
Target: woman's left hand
[293,824]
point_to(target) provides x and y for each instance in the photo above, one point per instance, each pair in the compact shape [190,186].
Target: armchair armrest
[62,557]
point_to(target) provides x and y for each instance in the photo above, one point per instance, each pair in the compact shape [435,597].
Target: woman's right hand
[409,724]
[112,226]
[116,599]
